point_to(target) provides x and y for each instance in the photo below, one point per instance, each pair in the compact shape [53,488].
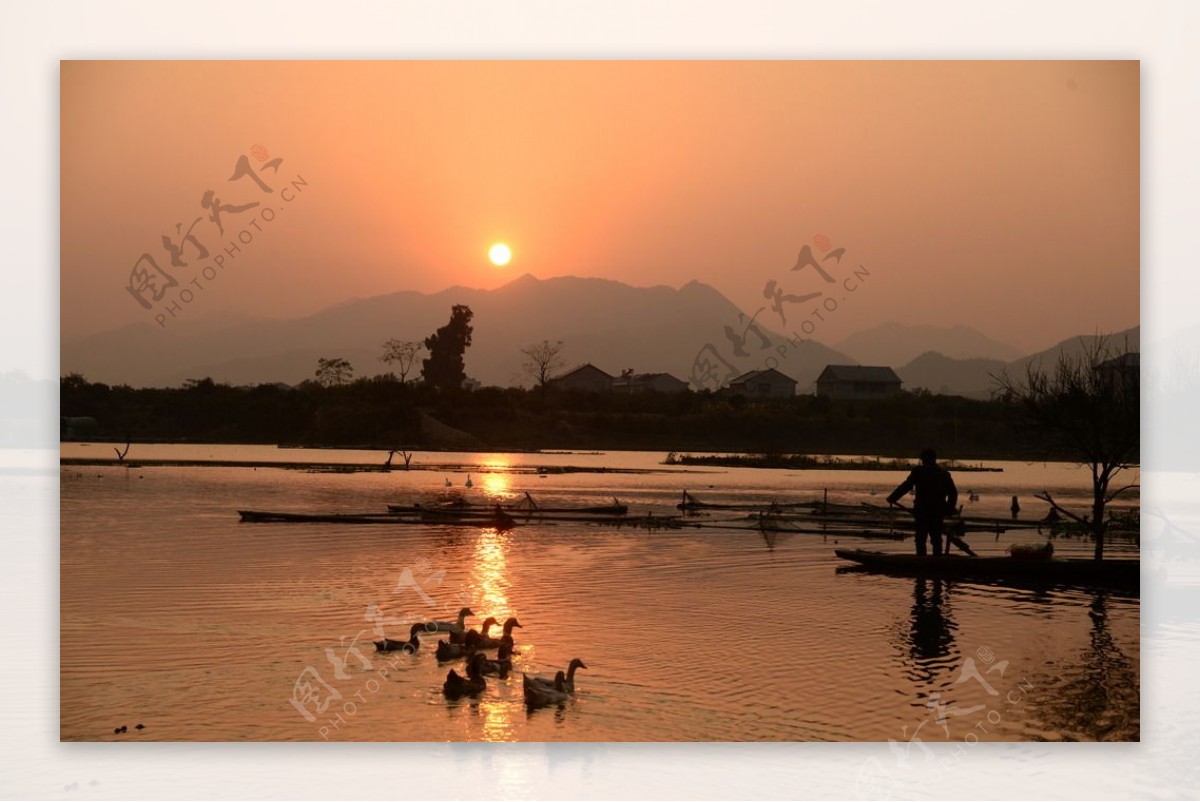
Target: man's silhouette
[935,495]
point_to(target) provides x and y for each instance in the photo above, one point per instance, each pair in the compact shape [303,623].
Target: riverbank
[806,462]
[380,415]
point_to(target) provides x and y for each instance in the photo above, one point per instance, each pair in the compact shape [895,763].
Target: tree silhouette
[444,366]
[542,360]
[1086,410]
[402,354]
[333,371]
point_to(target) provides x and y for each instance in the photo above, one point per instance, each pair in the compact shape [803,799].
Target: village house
[586,378]
[630,382]
[857,382]
[768,383]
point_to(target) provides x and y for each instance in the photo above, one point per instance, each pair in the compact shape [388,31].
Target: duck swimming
[458,626]
[411,645]
[569,683]
[538,695]
[502,664]
[457,686]
[486,642]
[460,637]
[453,651]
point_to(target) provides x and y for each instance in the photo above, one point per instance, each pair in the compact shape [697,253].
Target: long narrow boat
[690,502]
[263,517]
[1122,574]
[513,509]
[528,506]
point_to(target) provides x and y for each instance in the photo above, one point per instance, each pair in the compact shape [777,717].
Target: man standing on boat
[935,496]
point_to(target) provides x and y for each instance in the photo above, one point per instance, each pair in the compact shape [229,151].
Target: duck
[973,496]
[468,483]
[486,642]
[538,695]
[460,637]
[411,645]
[453,651]
[448,482]
[502,664]
[458,626]
[457,686]
[569,683]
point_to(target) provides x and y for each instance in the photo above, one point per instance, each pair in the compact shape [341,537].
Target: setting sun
[500,254]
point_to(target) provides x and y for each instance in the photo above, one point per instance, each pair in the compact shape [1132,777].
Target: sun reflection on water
[496,481]
[488,574]
[489,577]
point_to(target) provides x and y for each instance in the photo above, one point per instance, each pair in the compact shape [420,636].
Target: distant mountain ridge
[895,344]
[973,378]
[610,324]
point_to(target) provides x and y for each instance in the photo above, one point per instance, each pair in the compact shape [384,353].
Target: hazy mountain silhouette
[894,344]
[940,374]
[973,377]
[610,324]
[1075,346]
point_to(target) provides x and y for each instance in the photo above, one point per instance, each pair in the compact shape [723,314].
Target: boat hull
[1118,574]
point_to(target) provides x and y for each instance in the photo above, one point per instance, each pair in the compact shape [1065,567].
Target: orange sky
[1001,195]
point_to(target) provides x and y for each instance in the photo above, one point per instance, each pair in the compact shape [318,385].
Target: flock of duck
[471,645]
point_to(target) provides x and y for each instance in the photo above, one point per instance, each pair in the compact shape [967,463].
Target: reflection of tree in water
[1099,698]
[929,640]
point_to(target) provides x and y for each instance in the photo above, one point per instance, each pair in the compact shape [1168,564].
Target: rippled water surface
[177,616]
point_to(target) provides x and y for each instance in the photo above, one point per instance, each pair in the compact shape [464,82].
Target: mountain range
[610,324]
[896,344]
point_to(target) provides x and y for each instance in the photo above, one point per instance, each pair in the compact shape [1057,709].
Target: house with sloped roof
[768,383]
[630,382]
[858,382]
[585,378]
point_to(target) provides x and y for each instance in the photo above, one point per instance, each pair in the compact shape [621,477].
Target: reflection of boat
[1122,574]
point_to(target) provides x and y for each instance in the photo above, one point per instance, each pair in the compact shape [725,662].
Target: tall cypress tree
[444,366]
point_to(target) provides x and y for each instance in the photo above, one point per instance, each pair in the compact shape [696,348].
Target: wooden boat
[690,502]
[520,509]
[262,517]
[528,505]
[1118,573]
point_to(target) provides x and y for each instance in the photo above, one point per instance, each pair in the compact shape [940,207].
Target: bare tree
[387,466]
[1084,410]
[403,354]
[542,360]
[333,371]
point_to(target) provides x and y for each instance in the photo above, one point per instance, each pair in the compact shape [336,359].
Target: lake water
[176,615]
